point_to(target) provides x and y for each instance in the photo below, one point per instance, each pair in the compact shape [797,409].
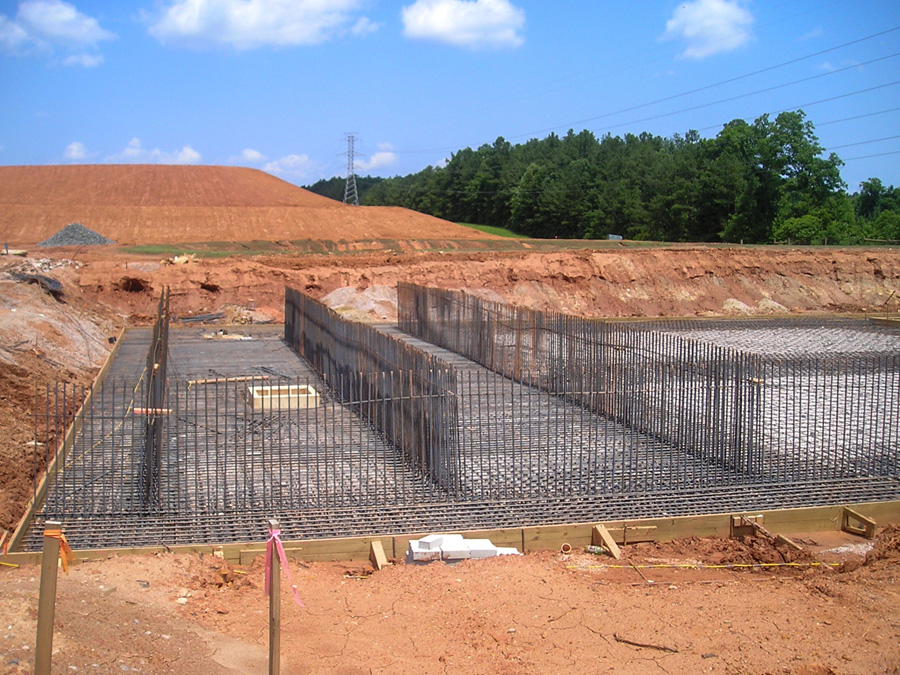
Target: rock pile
[76,234]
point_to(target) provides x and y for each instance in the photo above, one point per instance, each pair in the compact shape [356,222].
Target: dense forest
[769,181]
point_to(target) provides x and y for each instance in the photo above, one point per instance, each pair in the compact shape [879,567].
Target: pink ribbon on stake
[274,542]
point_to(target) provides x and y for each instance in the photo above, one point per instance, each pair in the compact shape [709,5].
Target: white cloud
[247,156]
[43,26]
[84,60]
[249,24]
[13,38]
[813,34]
[293,166]
[384,157]
[465,23]
[710,27]
[364,26]
[59,21]
[250,155]
[76,151]
[135,153]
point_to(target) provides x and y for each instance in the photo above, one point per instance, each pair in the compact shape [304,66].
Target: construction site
[393,388]
[471,415]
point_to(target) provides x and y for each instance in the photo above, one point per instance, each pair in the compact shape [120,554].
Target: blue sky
[276,84]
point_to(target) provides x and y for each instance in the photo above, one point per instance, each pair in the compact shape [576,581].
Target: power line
[694,91]
[874,140]
[824,100]
[880,154]
[729,81]
[857,117]
[753,93]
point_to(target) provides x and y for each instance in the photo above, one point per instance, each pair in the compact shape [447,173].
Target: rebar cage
[504,416]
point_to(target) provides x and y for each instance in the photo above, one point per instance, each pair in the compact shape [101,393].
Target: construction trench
[468,415]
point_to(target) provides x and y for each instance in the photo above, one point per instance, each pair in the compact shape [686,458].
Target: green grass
[212,249]
[492,229]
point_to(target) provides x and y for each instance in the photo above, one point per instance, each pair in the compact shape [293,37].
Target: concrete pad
[503,550]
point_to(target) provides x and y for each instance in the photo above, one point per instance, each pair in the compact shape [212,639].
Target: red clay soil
[154,204]
[538,613]
[683,281]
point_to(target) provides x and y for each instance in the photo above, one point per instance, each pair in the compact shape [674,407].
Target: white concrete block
[481,548]
[455,551]
[416,553]
[502,550]
[432,542]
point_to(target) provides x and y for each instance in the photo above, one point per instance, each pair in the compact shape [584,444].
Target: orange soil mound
[153,204]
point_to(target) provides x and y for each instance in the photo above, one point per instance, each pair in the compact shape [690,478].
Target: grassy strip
[492,229]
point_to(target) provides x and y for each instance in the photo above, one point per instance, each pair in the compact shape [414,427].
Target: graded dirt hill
[154,204]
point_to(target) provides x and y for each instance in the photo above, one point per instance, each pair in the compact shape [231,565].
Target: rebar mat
[125,532]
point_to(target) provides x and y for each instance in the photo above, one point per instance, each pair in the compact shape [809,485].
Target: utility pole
[350,195]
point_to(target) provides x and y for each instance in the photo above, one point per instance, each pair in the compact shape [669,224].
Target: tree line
[760,182]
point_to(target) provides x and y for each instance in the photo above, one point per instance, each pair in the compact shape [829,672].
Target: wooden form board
[813,519]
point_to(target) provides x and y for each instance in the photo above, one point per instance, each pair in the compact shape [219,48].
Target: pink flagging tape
[274,543]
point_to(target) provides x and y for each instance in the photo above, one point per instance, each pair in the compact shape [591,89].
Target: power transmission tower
[350,194]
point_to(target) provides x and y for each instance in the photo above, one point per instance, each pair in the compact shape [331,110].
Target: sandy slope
[153,204]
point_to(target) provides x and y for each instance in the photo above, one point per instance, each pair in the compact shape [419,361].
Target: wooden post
[43,652]
[275,608]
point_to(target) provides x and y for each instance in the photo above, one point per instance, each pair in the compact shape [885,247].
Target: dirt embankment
[43,339]
[679,281]
[155,204]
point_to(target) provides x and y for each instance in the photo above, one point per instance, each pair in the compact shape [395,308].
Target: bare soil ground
[540,613]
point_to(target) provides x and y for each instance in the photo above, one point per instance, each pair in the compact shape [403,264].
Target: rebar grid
[155,402]
[753,417]
[354,521]
[656,428]
[781,338]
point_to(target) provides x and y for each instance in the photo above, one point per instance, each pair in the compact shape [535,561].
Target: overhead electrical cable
[753,93]
[880,154]
[699,89]
[728,81]
[874,140]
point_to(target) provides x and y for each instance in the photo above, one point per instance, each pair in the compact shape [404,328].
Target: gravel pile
[76,234]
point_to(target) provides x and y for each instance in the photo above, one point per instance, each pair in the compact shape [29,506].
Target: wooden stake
[376,555]
[43,652]
[275,609]
[601,536]
[856,523]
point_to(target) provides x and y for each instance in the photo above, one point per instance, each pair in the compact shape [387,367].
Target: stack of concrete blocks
[452,548]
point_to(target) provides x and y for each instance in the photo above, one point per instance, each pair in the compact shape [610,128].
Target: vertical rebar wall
[697,397]
[771,418]
[403,392]
[155,402]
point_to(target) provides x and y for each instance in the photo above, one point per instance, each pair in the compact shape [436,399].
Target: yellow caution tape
[701,566]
